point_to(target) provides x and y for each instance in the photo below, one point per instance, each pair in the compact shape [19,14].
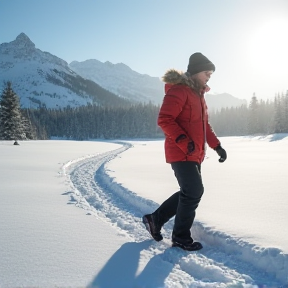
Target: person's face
[203,77]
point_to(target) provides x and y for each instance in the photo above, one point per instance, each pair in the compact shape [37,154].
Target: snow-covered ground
[45,241]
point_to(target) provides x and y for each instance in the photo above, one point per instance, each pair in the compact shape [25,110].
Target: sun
[268,46]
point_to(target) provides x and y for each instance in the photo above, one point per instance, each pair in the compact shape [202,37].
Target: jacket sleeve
[211,137]
[172,106]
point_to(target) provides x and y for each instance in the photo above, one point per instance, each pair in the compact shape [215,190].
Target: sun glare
[268,47]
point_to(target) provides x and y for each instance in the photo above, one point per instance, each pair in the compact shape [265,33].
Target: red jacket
[184,111]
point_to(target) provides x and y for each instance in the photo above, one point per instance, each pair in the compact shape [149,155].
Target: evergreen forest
[130,121]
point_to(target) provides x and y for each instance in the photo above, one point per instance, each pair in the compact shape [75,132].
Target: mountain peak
[22,36]
[23,40]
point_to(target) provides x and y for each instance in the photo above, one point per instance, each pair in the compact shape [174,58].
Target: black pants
[183,203]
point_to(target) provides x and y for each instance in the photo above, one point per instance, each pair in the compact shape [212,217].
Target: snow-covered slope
[42,79]
[121,80]
[46,242]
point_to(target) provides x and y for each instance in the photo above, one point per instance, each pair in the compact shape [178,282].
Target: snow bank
[271,261]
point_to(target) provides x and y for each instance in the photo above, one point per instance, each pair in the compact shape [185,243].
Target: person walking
[183,118]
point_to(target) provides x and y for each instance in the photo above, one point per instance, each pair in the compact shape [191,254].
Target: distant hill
[121,80]
[224,100]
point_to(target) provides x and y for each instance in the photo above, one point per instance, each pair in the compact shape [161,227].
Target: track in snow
[99,195]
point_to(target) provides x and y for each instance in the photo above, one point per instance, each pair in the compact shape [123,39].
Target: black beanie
[199,63]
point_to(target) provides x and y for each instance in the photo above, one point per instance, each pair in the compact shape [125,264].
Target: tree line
[95,122]
[136,120]
[259,117]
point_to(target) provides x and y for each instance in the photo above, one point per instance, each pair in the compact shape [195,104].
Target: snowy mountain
[121,80]
[42,79]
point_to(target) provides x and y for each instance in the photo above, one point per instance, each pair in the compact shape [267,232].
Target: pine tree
[278,117]
[285,104]
[253,117]
[11,119]
[29,128]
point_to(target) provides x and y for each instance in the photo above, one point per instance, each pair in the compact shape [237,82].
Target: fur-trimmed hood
[173,77]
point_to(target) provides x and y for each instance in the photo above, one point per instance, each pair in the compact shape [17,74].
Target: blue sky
[245,39]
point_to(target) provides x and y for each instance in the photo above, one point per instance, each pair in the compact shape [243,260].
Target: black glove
[222,153]
[190,147]
[186,145]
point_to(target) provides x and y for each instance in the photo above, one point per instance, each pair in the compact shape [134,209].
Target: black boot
[186,244]
[153,225]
